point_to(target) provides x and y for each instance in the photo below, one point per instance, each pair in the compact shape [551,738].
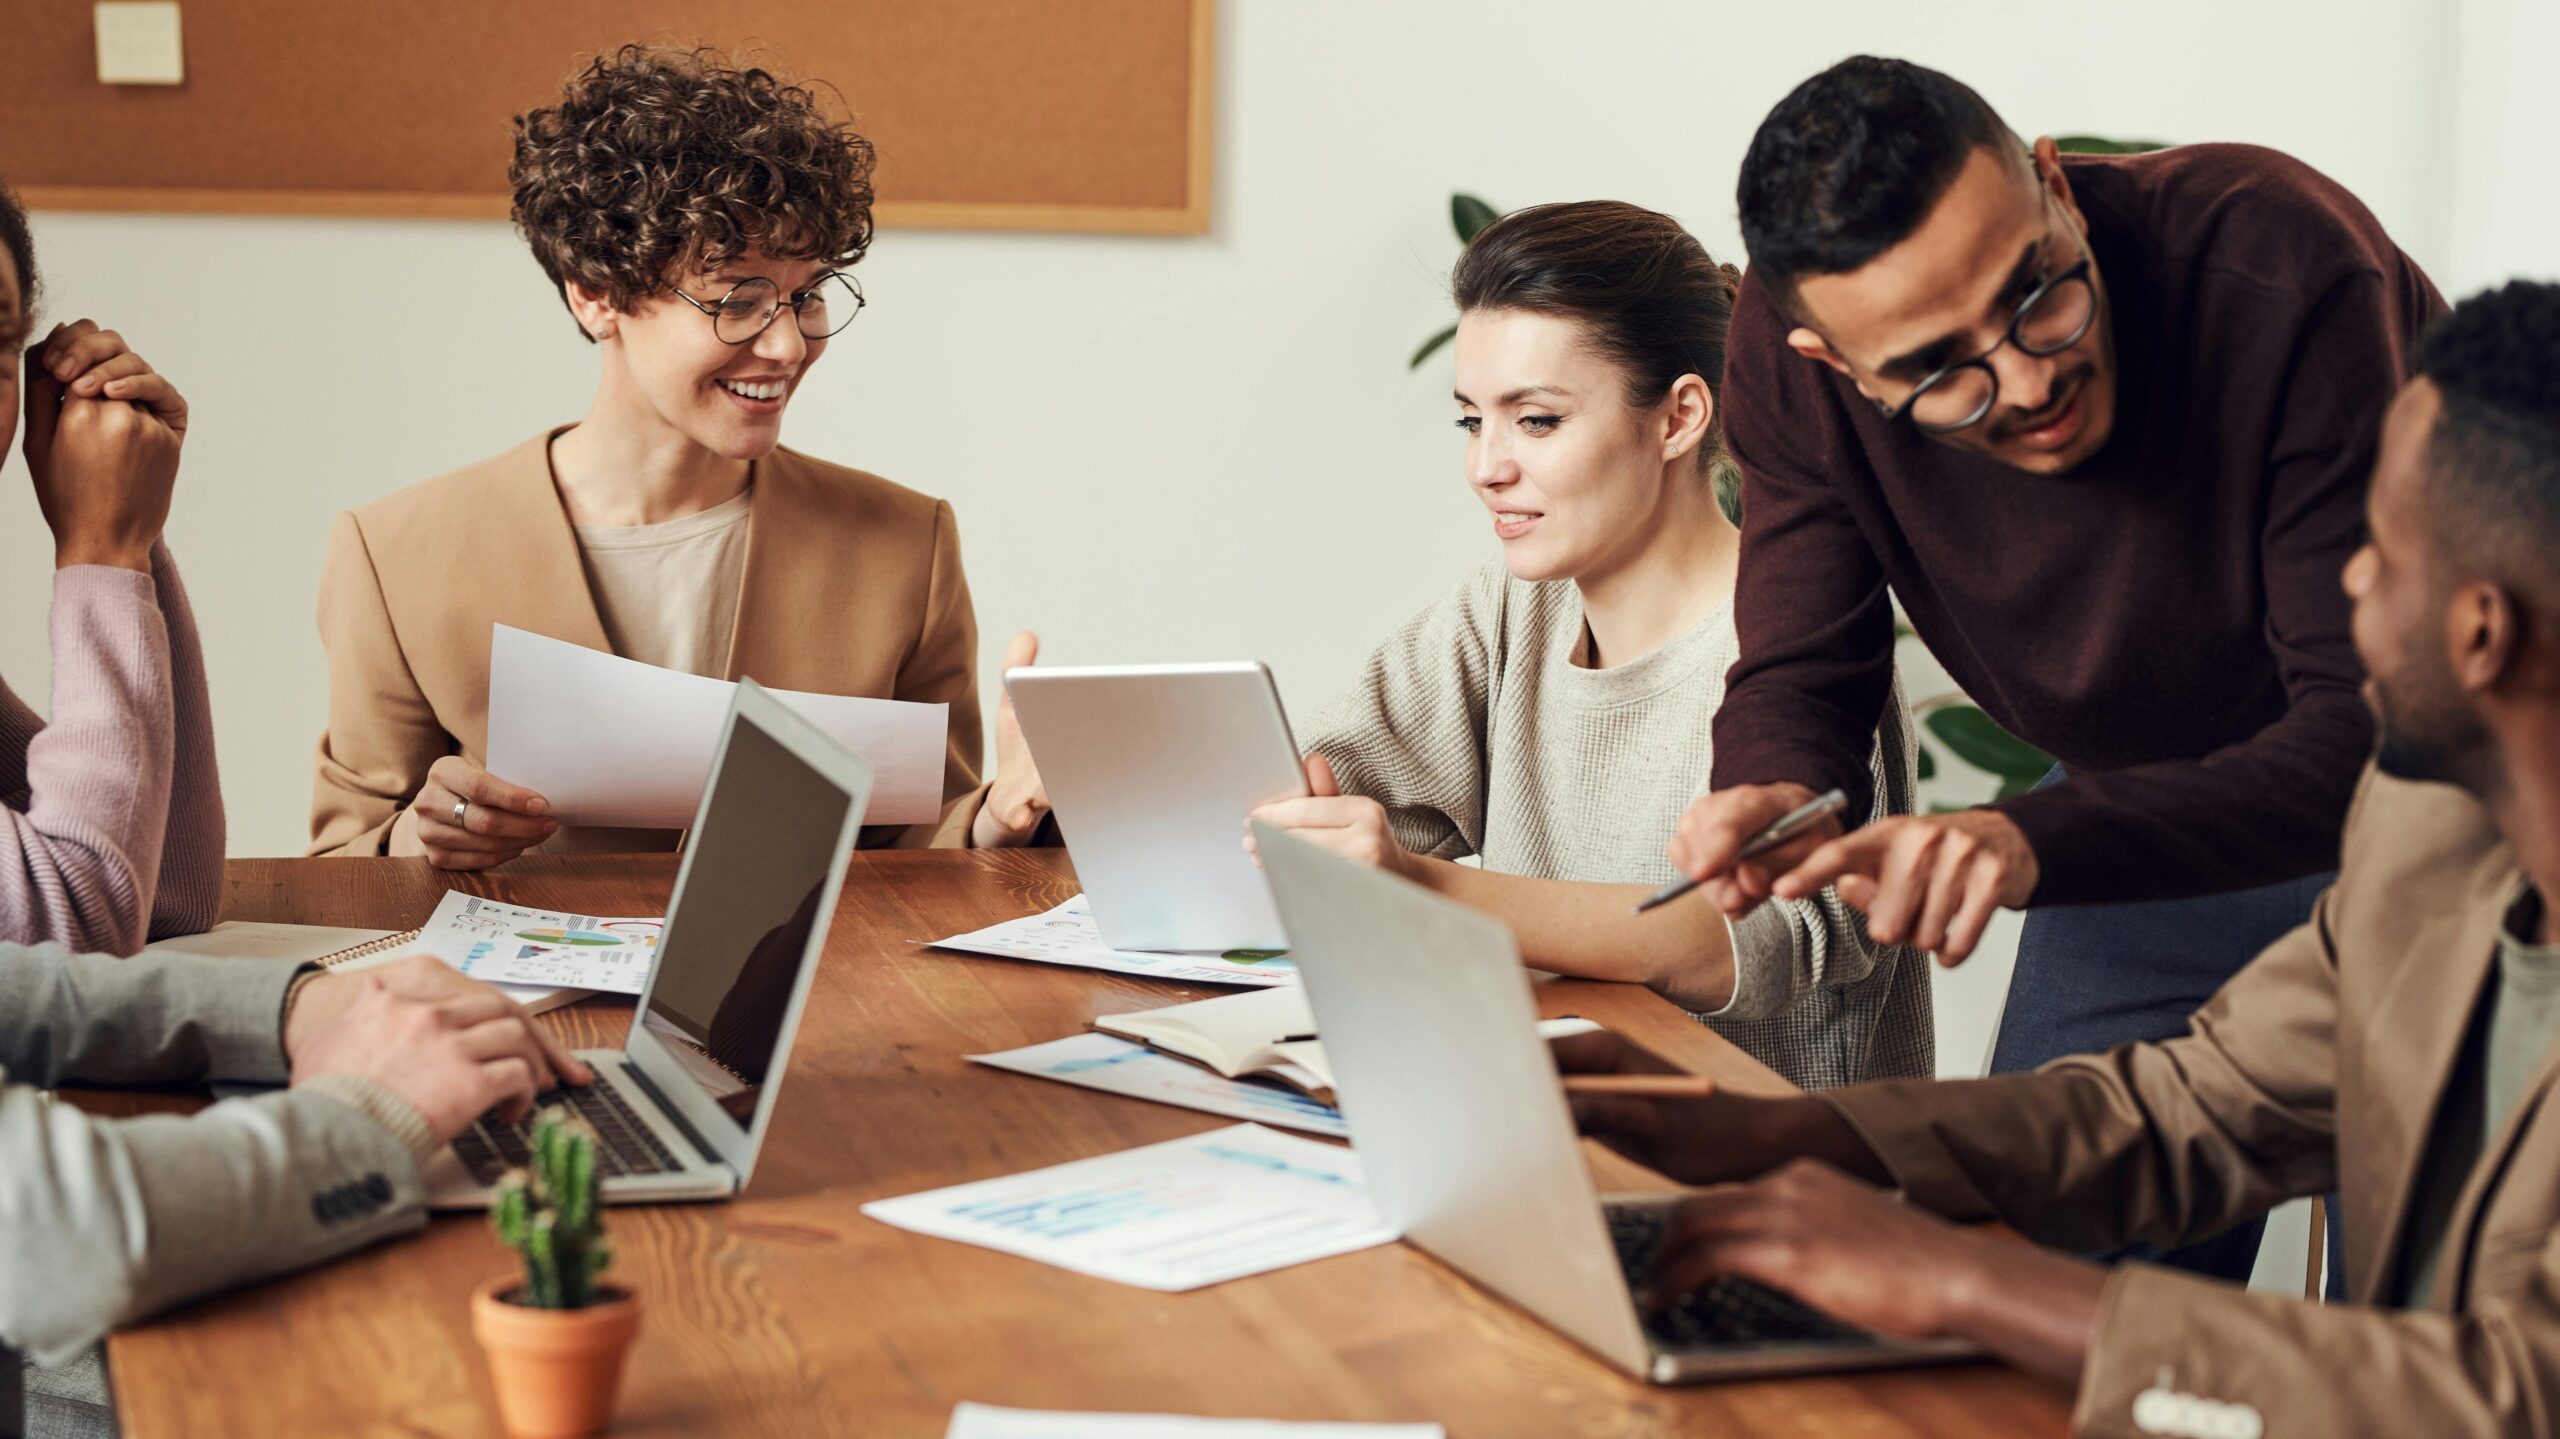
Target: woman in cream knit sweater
[1550,716]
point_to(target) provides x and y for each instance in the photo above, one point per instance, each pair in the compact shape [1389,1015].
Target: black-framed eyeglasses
[2050,320]
[739,316]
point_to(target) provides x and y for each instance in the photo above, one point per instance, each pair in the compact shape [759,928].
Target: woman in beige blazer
[700,221]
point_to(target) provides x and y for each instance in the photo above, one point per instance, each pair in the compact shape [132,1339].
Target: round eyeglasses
[739,316]
[2050,320]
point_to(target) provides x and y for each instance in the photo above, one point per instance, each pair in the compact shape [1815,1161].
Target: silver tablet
[1152,770]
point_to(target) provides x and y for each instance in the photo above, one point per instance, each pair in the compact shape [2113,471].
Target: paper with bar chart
[1105,1062]
[1173,1216]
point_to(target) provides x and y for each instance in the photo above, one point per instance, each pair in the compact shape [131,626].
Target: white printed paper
[1172,1216]
[1101,1061]
[611,741]
[510,944]
[986,1421]
[1068,935]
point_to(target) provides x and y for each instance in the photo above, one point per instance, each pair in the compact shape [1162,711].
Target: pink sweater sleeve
[86,811]
[189,896]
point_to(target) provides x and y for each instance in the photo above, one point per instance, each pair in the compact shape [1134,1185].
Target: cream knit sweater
[1480,732]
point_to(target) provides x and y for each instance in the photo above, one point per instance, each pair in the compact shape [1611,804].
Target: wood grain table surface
[786,1312]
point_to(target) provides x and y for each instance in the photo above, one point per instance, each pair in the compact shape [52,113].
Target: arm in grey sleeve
[103,1221]
[1785,948]
[1410,733]
[93,1019]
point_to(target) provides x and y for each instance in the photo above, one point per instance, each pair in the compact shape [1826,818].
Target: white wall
[2503,186]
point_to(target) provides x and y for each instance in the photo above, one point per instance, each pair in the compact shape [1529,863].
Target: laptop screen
[733,947]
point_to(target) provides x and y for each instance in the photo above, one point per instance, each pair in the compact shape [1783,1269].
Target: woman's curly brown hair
[658,162]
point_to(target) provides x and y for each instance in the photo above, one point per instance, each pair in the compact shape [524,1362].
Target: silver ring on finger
[461,813]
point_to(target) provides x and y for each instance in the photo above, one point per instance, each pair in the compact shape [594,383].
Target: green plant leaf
[1980,742]
[2100,145]
[1470,215]
[1431,347]
[1928,763]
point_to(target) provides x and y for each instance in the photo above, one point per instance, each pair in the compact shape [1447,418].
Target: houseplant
[555,1336]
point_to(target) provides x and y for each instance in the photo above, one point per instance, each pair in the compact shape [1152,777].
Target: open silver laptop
[681,1109]
[1470,1149]
[1152,770]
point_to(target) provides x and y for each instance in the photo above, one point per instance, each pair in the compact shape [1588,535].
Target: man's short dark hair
[2493,463]
[1850,163]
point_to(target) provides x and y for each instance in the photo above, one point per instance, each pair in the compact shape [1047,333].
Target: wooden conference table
[786,1312]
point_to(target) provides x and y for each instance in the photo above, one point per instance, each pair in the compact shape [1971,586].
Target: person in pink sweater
[111,812]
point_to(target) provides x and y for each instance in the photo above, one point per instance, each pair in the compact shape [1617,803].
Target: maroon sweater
[2165,619]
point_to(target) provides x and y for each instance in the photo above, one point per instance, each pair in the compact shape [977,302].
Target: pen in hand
[1785,828]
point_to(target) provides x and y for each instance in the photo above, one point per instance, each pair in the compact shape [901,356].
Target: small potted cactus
[554,1335]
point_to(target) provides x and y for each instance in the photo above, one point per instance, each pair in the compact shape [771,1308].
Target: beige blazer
[2321,1065]
[852,587]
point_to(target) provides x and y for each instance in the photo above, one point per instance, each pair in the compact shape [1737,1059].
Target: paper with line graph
[1173,1216]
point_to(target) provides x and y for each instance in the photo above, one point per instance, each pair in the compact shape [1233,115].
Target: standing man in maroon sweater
[2104,426]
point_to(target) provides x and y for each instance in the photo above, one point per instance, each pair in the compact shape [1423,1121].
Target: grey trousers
[71,1402]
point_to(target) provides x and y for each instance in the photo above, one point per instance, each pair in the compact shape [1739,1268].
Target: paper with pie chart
[505,943]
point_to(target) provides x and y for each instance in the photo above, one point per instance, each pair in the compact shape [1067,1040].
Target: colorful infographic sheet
[1068,935]
[510,944]
[1173,1216]
[1101,1061]
[986,1421]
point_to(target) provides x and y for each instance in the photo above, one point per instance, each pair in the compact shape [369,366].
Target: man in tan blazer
[2398,1048]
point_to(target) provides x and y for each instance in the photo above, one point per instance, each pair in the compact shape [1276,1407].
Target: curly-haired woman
[699,220]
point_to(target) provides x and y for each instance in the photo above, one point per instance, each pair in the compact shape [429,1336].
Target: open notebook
[1266,1034]
[1263,1034]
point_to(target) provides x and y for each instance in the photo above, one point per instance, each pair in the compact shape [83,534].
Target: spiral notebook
[332,947]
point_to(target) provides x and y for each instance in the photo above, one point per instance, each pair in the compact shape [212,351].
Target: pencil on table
[1661,1086]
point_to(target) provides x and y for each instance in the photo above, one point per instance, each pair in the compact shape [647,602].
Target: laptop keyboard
[1727,1312]
[624,1144]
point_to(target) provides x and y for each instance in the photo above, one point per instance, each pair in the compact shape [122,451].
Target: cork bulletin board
[1089,115]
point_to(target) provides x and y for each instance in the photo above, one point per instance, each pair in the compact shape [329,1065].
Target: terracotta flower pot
[556,1370]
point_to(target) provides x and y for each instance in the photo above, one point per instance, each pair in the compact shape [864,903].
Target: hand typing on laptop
[449,1046]
[1794,1203]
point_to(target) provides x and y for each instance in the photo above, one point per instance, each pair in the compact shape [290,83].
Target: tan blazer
[852,587]
[2321,1065]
